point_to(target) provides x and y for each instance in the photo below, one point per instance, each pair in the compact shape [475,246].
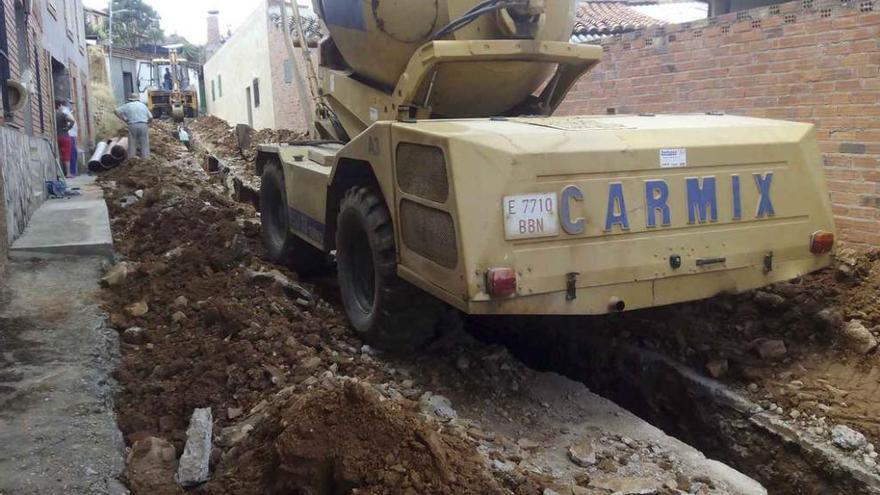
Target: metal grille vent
[429,232]
[421,171]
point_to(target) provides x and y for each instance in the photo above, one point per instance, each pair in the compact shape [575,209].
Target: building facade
[263,93]
[814,61]
[43,47]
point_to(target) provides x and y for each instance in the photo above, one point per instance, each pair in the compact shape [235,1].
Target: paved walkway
[79,225]
[58,429]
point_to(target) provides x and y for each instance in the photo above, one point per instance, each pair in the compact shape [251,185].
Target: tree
[135,23]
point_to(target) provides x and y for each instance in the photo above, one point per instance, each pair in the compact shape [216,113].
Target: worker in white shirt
[73,132]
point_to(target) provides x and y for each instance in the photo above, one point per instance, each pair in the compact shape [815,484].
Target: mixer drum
[377,38]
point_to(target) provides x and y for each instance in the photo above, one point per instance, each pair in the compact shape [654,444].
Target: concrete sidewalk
[58,430]
[75,226]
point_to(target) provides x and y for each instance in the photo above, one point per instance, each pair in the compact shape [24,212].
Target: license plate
[530,215]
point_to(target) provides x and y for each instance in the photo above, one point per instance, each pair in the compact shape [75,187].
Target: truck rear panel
[595,214]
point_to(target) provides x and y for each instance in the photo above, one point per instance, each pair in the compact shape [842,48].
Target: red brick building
[813,61]
[30,64]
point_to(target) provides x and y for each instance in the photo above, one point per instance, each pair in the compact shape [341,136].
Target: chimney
[213,28]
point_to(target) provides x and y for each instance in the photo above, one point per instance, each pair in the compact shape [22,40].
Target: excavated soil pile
[206,321]
[223,140]
[346,436]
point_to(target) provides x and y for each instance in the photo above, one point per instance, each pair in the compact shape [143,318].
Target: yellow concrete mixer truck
[440,178]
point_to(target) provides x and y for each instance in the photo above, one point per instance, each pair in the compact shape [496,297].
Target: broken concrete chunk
[438,406]
[195,461]
[847,439]
[118,274]
[771,349]
[138,309]
[583,454]
[527,444]
[857,338]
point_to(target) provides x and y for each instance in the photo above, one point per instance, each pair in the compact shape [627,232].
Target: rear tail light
[501,282]
[821,242]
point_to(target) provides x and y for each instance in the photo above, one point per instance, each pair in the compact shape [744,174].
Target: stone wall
[814,61]
[27,164]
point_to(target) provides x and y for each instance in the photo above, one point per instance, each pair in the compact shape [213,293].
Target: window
[213,91]
[288,71]
[219,86]
[256,92]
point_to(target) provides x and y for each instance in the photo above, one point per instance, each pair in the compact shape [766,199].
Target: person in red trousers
[63,123]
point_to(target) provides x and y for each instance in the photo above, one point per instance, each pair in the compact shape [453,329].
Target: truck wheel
[384,310]
[282,246]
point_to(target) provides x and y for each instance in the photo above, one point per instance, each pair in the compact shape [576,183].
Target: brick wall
[814,61]
[288,104]
[38,62]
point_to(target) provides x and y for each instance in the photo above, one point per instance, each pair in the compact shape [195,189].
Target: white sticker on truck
[673,158]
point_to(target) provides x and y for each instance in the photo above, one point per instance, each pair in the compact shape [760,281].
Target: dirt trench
[704,373]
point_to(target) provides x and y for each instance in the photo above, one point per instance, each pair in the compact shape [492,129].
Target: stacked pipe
[95,160]
[109,154]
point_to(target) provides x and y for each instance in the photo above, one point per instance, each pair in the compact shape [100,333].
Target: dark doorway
[60,80]
[127,84]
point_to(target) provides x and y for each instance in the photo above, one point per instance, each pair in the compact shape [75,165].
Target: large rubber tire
[282,246]
[386,311]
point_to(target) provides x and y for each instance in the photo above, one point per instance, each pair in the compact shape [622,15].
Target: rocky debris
[717,367]
[830,319]
[194,463]
[178,317]
[134,336]
[151,464]
[770,349]
[138,309]
[847,439]
[181,302]
[583,454]
[118,274]
[768,300]
[438,406]
[295,291]
[856,337]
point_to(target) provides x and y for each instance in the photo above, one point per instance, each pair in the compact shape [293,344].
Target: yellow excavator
[174,102]
[439,177]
